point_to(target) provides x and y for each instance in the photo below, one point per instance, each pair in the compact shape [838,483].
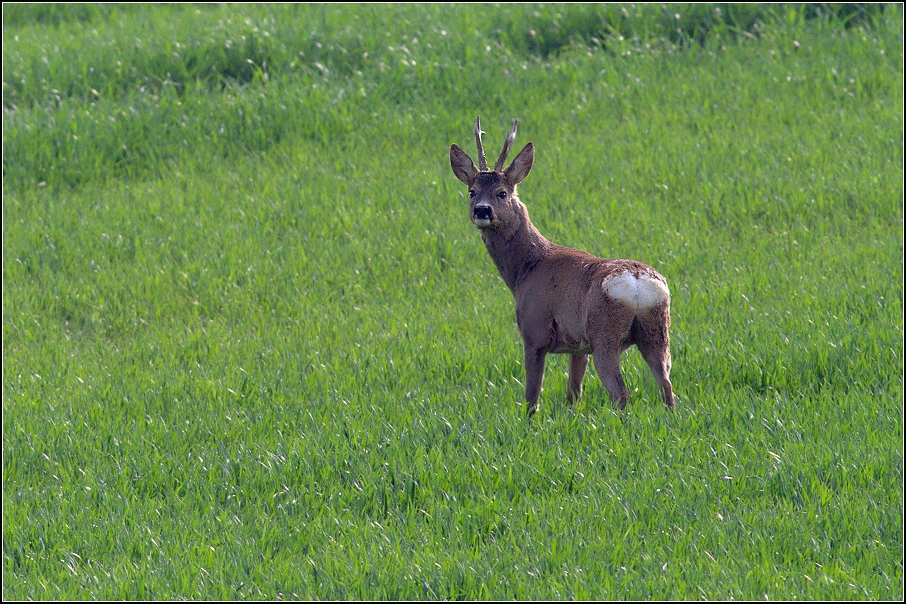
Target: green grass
[253,348]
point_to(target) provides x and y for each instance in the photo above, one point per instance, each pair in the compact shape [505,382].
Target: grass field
[254,348]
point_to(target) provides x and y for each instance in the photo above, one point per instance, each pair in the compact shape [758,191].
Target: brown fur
[567,301]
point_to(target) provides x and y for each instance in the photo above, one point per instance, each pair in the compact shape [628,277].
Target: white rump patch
[640,293]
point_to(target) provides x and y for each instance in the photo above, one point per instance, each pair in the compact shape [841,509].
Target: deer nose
[482,213]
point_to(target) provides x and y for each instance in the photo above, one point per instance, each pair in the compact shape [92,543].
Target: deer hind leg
[607,364]
[609,331]
[653,341]
[578,363]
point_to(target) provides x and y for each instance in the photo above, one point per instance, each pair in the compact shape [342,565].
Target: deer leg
[578,363]
[534,376]
[607,364]
[657,354]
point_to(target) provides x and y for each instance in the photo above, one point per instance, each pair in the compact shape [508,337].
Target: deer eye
[471,194]
[501,195]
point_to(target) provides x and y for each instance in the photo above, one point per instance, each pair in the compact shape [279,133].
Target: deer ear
[521,166]
[462,165]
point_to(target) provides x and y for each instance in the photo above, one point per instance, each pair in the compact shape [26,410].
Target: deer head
[492,193]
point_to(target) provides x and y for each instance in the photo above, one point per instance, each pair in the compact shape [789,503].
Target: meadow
[253,347]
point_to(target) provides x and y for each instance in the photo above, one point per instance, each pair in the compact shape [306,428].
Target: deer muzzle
[482,216]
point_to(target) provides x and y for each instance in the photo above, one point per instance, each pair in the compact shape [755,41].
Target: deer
[567,301]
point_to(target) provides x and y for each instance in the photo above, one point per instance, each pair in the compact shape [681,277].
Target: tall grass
[160,87]
[252,347]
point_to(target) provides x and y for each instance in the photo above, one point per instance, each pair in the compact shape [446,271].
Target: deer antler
[482,160]
[510,137]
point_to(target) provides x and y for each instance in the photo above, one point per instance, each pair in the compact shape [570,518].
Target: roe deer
[567,301]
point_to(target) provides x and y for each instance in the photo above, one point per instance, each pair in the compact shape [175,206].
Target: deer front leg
[578,363]
[534,376]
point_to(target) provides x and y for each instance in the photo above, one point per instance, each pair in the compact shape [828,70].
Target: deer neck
[516,248]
